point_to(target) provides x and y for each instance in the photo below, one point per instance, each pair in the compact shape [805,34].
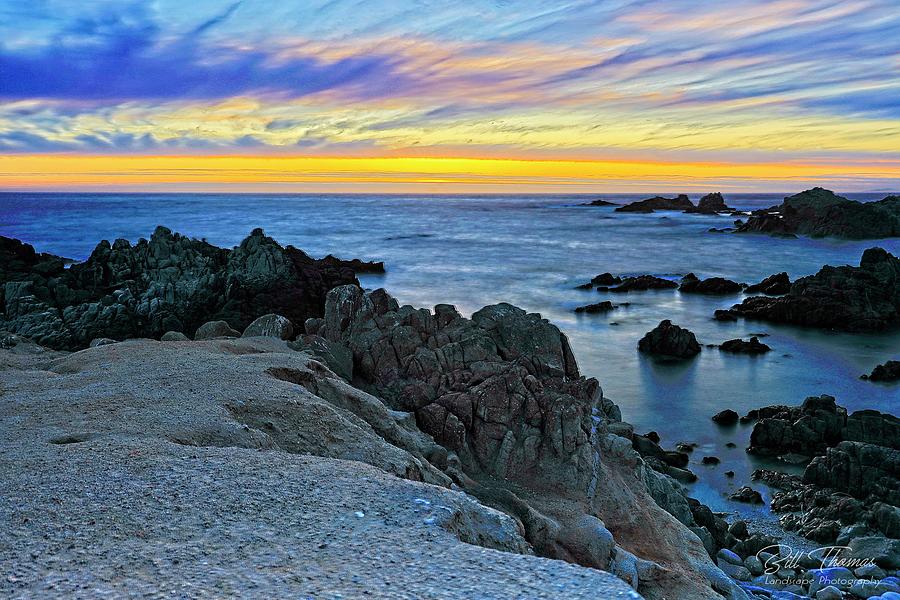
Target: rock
[599,307]
[606,279]
[710,460]
[599,202]
[748,495]
[839,577]
[270,325]
[889,371]
[101,342]
[680,202]
[884,552]
[725,315]
[870,571]
[820,213]
[726,417]
[807,430]
[642,283]
[174,336]
[729,474]
[356,265]
[669,340]
[829,593]
[710,204]
[856,299]
[754,565]
[691,284]
[728,556]
[215,329]
[773,285]
[166,283]
[738,346]
[738,572]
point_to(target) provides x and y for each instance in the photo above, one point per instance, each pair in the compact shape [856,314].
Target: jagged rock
[670,340]
[710,204]
[606,279]
[738,346]
[863,470]
[680,202]
[354,264]
[807,429]
[725,417]
[599,202]
[819,213]
[884,552]
[774,285]
[215,329]
[270,325]
[724,315]
[169,282]
[864,298]
[748,495]
[173,336]
[889,371]
[691,284]
[642,283]
[777,480]
[599,307]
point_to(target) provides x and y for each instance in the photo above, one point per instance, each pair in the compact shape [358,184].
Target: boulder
[738,346]
[748,495]
[599,307]
[270,325]
[174,336]
[864,298]
[889,371]
[642,283]
[691,284]
[680,202]
[726,417]
[606,279]
[724,315]
[710,204]
[821,213]
[773,285]
[807,429]
[670,340]
[215,329]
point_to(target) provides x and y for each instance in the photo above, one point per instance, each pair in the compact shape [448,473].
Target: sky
[459,97]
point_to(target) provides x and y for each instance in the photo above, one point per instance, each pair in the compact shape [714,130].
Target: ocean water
[532,251]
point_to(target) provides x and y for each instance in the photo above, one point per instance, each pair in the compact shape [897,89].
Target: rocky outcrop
[711,204]
[642,283]
[864,298]
[680,202]
[773,285]
[599,202]
[669,340]
[806,430]
[889,371]
[691,284]
[166,283]
[599,307]
[819,213]
[739,346]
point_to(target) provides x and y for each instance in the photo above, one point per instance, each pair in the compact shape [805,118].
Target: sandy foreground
[130,470]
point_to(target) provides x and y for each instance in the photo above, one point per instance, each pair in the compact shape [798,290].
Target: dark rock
[807,430]
[864,471]
[691,284]
[215,329]
[748,495]
[354,264]
[819,213]
[174,336]
[168,283]
[731,445]
[270,325]
[754,346]
[685,447]
[889,371]
[653,436]
[729,474]
[599,202]
[670,340]
[642,283]
[680,202]
[710,204]
[777,480]
[739,530]
[724,315]
[726,417]
[864,298]
[710,460]
[606,279]
[599,307]
[774,285]
[101,342]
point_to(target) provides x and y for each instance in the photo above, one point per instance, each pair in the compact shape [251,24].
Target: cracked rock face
[167,283]
[501,390]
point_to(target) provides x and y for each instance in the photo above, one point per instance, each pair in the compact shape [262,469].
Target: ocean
[532,251]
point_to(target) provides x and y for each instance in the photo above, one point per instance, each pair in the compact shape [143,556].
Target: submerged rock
[726,417]
[670,340]
[169,282]
[599,202]
[819,213]
[599,307]
[864,298]
[680,202]
[739,346]
[889,371]
[642,283]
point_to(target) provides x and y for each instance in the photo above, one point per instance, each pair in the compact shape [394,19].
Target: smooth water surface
[531,251]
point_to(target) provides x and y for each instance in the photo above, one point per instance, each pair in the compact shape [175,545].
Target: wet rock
[725,315]
[864,298]
[710,204]
[739,346]
[680,202]
[710,460]
[748,495]
[669,340]
[889,371]
[773,285]
[356,265]
[726,417]
[691,284]
[174,336]
[599,307]
[819,213]
[215,329]
[777,480]
[729,474]
[807,430]
[884,552]
[599,202]
[606,279]
[642,283]
[270,325]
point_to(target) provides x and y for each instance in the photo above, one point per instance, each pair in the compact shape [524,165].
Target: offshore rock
[889,371]
[680,202]
[642,283]
[773,285]
[739,346]
[691,284]
[167,283]
[670,340]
